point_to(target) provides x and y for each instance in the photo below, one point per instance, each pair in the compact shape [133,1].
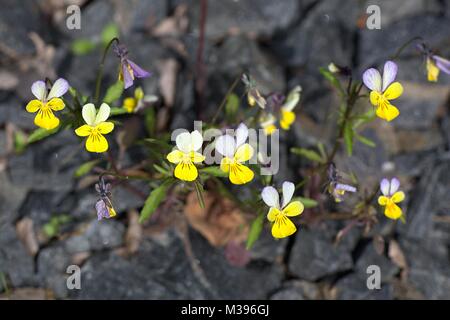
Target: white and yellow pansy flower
[278,214]
[186,155]
[236,152]
[287,116]
[138,101]
[391,196]
[96,126]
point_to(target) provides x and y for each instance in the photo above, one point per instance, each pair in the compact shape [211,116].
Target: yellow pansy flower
[186,155]
[134,104]
[391,196]
[383,90]
[282,226]
[45,104]
[287,116]
[235,152]
[96,126]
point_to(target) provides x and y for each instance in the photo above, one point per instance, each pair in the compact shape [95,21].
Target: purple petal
[102,210]
[389,73]
[384,187]
[395,184]
[138,71]
[58,89]
[39,89]
[442,64]
[372,79]
[127,77]
[345,187]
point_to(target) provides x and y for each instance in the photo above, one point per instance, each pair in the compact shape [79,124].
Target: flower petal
[186,171]
[34,105]
[293,209]
[197,157]
[382,200]
[240,174]
[394,185]
[372,79]
[287,118]
[126,76]
[105,127]
[83,131]
[138,71]
[196,140]
[176,156]
[392,211]
[375,98]
[46,119]
[96,143]
[58,89]
[226,146]
[389,73]
[103,113]
[244,153]
[432,71]
[442,64]
[183,142]
[384,186]
[288,192]
[398,197]
[272,214]
[241,134]
[39,90]
[394,91]
[283,227]
[56,104]
[388,112]
[89,114]
[129,104]
[292,99]
[270,197]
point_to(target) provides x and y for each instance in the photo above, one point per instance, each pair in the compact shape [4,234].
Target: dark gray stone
[354,287]
[11,198]
[370,257]
[297,290]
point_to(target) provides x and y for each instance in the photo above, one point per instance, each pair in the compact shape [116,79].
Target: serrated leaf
[82,46]
[255,230]
[85,168]
[214,171]
[154,199]
[109,32]
[348,138]
[366,141]
[309,154]
[114,92]
[40,134]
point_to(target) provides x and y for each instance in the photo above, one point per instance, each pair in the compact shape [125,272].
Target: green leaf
[214,171]
[331,77]
[199,190]
[307,202]
[82,46]
[255,230]
[85,168]
[308,154]
[366,141]
[109,32]
[160,169]
[40,134]
[20,141]
[114,92]
[118,111]
[150,121]
[154,199]
[232,105]
[348,138]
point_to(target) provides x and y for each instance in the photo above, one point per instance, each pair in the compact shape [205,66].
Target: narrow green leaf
[366,141]
[331,77]
[114,92]
[199,190]
[255,230]
[85,168]
[307,202]
[150,121]
[109,32]
[40,134]
[214,171]
[348,138]
[160,169]
[118,111]
[232,105]
[82,46]
[309,154]
[20,141]
[154,199]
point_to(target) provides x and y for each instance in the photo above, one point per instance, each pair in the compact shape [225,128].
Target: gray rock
[370,257]
[314,256]
[354,287]
[12,110]
[11,198]
[297,290]
[268,249]
[105,234]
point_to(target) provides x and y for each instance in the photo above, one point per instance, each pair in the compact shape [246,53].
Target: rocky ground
[282,43]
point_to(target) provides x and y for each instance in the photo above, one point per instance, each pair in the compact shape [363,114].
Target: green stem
[224,100]
[406,44]
[98,81]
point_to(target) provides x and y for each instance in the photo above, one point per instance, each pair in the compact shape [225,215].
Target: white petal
[225,145]
[39,90]
[196,140]
[384,187]
[372,79]
[103,113]
[288,192]
[89,113]
[270,197]
[183,142]
[394,185]
[292,99]
[389,73]
[58,89]
[241,134]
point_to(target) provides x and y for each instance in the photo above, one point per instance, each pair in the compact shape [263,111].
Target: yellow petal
[287,118]
[392,211]
[394,91]
[375,98]
[293,209]
[240,174]
[56,104]
[397,197]
[225,164]
[129,104]
[197,157]
[432,71]
[382,200]
[186,171]
[83,131]
[283,227]
[387,112]
[268,130]
[112,212]
[96,143]
[273,214]
[105,127]
[46,119]
[139,93]
[34,105]
[243,153]
[176,156]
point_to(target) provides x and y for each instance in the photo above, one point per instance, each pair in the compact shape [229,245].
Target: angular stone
[354,287]
[297,290]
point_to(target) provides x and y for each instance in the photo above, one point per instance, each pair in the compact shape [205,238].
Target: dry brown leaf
[174,25]
[398,258]
[219,222]
[8,80]
[26,234]
[168,69]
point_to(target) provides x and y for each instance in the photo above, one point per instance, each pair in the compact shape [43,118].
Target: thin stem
[224,100]
[406,44]
[98,81]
